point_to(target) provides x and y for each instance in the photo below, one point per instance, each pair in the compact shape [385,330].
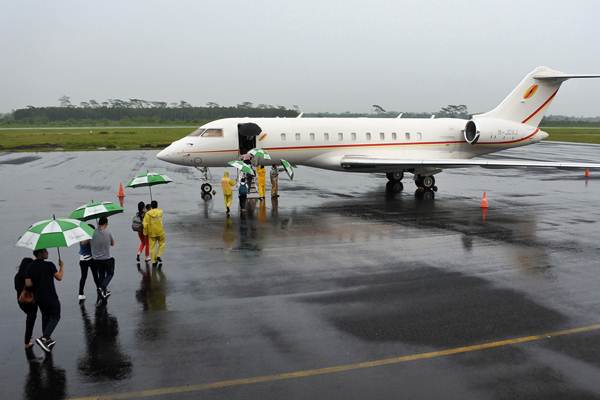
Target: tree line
[140,111]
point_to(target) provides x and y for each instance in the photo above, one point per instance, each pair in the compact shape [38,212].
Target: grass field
[579,135]
[48,139]
[131,138]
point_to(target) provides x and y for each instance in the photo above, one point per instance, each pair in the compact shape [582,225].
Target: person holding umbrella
[40,277]
[41,274]
[92,210]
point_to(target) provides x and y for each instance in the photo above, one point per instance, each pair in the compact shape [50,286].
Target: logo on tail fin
[530,91]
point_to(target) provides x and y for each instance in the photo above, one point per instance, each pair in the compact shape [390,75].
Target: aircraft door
[247,134]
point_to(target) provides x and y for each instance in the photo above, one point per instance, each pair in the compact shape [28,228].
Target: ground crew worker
[227,184]
[274,181]
[153,229]
[261,181]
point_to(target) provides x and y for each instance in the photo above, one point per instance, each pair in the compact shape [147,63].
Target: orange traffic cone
[484,201]
[587,173]
[121,192]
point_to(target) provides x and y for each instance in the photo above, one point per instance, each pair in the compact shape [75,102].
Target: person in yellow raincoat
[227,184]
[154,231]
[261,181]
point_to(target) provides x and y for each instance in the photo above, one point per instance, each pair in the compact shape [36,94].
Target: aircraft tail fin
[528,102]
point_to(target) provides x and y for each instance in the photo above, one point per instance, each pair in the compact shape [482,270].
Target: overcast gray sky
[321,55]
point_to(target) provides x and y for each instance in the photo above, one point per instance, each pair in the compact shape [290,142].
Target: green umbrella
[288,168]
[149,179]
[259,153]
[96,209]
[242,166]
[54,232]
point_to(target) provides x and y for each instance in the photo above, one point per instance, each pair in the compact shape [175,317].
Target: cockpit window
[197,132]
[213,132]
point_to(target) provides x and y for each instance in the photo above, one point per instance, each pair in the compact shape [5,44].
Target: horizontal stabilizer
[562,76]
[366,162]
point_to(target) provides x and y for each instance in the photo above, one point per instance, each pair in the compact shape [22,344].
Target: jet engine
[491,130]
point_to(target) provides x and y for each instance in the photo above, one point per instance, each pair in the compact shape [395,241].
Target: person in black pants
[28,308]
[101,243]
[41,275]
[85,263]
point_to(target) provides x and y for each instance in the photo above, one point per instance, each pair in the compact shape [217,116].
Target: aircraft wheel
[428,182]
[206,188]
[419,181]
[395,176]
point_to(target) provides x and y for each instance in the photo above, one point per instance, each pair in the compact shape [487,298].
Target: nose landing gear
[206,188]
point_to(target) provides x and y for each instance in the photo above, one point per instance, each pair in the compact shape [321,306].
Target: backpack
[136,223]
[243,190]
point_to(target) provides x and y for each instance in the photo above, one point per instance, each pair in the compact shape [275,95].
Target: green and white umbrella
[149,179]
[52,233]
[259,153]
[242,166]
[288,168]
[96,209]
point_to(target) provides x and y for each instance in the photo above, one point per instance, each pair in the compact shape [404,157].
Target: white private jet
[423,147]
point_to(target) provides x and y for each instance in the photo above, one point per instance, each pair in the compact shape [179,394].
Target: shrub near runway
[40,139]
[127,138]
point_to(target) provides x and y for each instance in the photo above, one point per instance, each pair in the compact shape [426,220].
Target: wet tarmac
[335,273]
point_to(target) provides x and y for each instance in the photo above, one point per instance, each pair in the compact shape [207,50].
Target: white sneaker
[148,259]
[81,297]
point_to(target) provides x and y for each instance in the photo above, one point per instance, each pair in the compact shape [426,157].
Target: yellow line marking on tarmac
[337,369]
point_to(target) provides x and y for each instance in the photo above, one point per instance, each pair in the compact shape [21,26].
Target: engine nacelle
[490,130]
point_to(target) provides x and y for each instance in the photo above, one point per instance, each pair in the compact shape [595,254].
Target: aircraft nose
[166,154]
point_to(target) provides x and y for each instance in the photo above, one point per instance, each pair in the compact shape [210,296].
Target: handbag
[26,297]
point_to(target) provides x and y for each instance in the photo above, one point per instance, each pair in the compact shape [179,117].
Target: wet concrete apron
[334,273]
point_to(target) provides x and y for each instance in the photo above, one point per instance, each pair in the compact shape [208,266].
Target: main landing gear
[206,188]
[425,184]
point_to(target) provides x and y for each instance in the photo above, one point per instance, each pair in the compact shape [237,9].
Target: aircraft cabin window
[197,132]
[382,135]
[368,135]
[394,136]
[407,135]
[283,137]
[312,137]
[297,136]
[419,136]
[213,132]
[340,136]
[326,136]
[353,136]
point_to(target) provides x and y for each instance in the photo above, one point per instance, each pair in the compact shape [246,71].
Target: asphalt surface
[338,273]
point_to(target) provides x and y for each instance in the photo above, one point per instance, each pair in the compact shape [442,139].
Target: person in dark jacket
[41,275]
[30,309]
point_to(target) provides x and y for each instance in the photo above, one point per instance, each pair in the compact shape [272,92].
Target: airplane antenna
[399,115]
[300,115]
[432,116]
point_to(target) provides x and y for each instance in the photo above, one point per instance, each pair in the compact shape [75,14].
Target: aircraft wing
[381,163]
